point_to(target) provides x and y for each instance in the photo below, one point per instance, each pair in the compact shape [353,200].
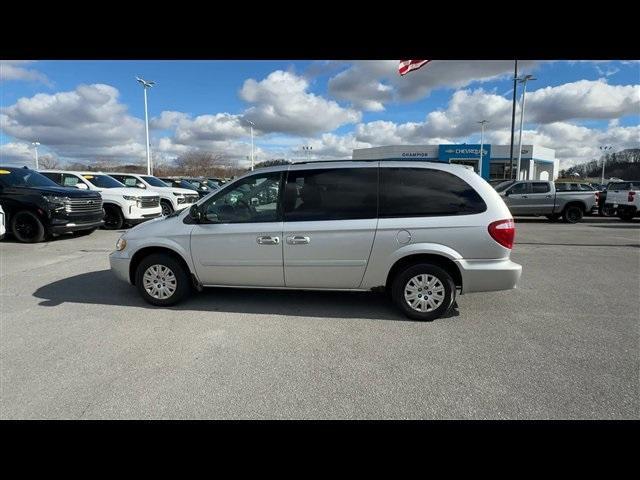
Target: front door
[540,199]
[239,240]
[517,198]
[329,225]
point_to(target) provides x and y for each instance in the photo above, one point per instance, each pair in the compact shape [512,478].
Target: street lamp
[251,125]
[307,149]
[524,81]
[482,124]
[35,148]
[604,149]
[146,84]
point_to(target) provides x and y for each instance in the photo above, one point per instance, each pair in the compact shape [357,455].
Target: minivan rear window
[424,192]
[331,194]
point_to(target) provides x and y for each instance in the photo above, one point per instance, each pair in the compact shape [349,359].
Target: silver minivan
[423,231]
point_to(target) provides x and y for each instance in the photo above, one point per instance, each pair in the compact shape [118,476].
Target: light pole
[146,84]
[307,149]
[482,124]
[35,148]
[251,125]
[604,149]
[524,81]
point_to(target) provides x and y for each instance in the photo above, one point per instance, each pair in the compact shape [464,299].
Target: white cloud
[20,154]
[361,83]
[16,70]
[281,103]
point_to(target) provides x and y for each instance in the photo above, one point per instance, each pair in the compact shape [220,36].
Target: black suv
[36,207]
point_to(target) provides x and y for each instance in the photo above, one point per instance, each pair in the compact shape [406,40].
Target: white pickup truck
[122,205]
[624,198]
[172,199]
[537,197]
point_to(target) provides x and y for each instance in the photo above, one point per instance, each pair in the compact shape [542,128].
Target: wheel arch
[576,203]
[146,251]
[432,258]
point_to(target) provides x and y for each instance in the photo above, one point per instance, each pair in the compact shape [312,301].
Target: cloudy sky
[93,110]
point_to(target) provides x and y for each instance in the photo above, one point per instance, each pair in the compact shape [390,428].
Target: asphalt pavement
[77,343]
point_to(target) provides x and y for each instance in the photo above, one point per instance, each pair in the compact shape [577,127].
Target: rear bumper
[489,275]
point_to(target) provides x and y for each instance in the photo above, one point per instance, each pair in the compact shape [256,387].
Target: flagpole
[513,114]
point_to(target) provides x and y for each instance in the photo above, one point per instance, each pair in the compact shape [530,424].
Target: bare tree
[48,162]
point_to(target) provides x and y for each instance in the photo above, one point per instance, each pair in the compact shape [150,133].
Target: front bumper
[120,265]
[489,275]
[136,221]
[75,227]
[134,214]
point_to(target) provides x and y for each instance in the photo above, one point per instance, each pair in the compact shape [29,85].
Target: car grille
[83,205]
[149,202]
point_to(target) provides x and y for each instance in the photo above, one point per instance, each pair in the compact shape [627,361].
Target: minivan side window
[331,194]
[252,200]
[424,192]
[540,187]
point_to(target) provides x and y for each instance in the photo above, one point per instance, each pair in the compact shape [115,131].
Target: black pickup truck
[36,207]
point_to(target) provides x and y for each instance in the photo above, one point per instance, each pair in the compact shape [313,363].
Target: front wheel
[626,217]
[423,292]
[27,227]
[162,280]
[113,218]
[167,209]
[572,214]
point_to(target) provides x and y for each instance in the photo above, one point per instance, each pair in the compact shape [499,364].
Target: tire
[164,265]
[572,214]
[626,217]
[410,278]
[84,233]
[167,208]
[113,218]
[607,211]
[27,227]
[553,218]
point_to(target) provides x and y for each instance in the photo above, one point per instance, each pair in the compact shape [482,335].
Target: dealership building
[536,163]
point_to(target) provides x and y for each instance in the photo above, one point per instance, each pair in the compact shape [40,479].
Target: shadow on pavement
[102,288]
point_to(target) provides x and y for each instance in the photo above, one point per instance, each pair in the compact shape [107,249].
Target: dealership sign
[415,154]
[464,151]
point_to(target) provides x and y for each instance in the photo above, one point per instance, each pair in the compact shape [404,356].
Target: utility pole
[482,124]
[524,81]
[603,149]
[145,85]
[35,148]
[513,116]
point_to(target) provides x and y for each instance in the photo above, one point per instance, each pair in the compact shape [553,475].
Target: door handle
[298,240]
[266,240]
[548,196]
[525,196]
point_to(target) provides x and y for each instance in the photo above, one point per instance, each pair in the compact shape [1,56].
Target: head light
[56,198]
[121,244]
[130,197]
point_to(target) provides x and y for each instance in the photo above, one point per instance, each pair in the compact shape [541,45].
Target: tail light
[503,232]
[630,197]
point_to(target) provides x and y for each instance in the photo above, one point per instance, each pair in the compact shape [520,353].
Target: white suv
[121,205]
[421,230]
[171,199]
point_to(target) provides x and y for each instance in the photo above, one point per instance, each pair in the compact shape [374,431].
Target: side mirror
[141,185]
[82,186]
[194,212]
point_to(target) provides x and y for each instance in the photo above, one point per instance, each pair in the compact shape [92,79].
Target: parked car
[122,205]
[623,198]
[537,197]
[179,183]
[201,186]
[36,208]
[3,228]
[171,198]
[422,230]
[580,187]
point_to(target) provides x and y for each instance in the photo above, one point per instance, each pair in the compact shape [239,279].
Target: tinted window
[331,194]
[126,180]
[252,200]
[562,187]
[504,185]
[519,189]
[416,192]
[56,177]
[153,181]
[540,187]
[102,181]
[23,177]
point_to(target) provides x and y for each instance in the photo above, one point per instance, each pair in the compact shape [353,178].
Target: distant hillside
[624,164]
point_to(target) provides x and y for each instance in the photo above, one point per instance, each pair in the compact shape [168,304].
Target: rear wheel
[423,291]
[27,227]
[572,214]
[113,219]
[162,280]
[626,216]
[167,208]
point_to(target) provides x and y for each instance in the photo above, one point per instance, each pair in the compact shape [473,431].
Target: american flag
[407,66]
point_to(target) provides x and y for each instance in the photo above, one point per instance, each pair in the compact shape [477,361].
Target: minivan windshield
[504,185]
[102,181]
[23,177]
[153,181]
